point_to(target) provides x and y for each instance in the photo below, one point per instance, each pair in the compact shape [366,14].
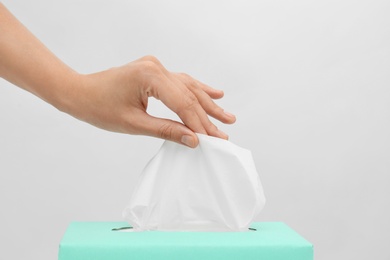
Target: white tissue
[214,187]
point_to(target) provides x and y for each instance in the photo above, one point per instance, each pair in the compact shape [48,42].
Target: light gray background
[309,82]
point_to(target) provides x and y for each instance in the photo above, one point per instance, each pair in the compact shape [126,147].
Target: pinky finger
[188,80]
[212,92]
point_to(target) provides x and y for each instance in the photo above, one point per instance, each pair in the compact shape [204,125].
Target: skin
[115,99]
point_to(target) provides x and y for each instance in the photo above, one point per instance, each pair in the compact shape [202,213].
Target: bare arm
[114,99]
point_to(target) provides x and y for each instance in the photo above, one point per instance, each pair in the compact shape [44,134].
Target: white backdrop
[308,80]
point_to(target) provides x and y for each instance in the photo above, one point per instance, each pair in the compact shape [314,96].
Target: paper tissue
[214,187]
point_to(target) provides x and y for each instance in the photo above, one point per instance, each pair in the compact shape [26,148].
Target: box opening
[130,229]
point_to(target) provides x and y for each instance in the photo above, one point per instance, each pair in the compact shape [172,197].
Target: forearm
[27,63]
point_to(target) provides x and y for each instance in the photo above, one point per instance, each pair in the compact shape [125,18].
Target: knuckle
[166,131]
[149,66]
[189,103]
[184,75]
[188,80]
[150,58]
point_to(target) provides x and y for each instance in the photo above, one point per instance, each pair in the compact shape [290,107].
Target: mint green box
[265,241]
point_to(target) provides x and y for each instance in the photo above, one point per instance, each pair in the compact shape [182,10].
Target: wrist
[69,93]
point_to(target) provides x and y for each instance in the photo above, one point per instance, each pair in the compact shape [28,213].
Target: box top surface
[100,234]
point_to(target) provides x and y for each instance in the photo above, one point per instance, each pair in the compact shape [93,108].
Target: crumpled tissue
[214,187]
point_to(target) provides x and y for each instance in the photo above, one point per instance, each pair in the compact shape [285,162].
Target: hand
[117,100]
[114,99]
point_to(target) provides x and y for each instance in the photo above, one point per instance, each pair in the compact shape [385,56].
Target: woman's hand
[117,100]
[114,99]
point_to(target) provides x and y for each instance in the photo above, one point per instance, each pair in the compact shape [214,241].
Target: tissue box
[265,240]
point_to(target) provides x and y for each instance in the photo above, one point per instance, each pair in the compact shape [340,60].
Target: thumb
[169,130]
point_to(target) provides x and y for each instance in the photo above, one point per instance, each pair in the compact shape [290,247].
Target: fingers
[211,108]
[178,97]
[168,130]
[195,117]
[190,99]
[204,95]
[212,92]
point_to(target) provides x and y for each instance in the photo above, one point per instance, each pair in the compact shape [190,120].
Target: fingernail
[229,114]
[188,140]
